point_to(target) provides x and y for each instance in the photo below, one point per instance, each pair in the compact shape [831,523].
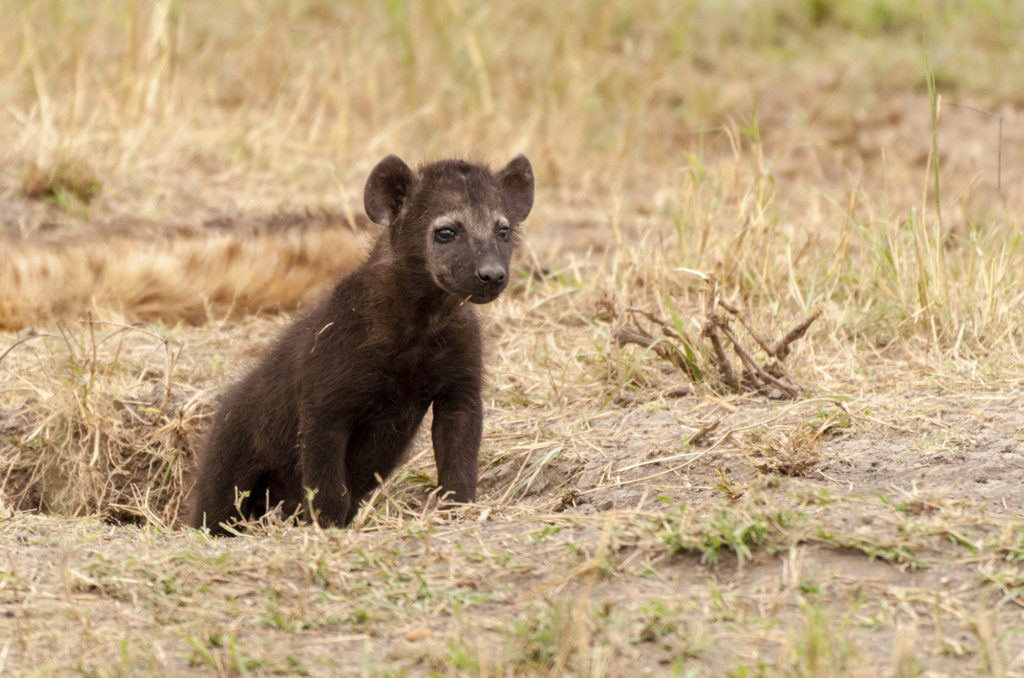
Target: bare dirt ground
[622,553]
[636,516]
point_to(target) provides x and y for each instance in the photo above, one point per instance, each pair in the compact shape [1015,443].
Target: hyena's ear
[388,186]
[516,182]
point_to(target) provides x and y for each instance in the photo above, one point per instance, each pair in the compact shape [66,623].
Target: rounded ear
[516,182]
[387,187]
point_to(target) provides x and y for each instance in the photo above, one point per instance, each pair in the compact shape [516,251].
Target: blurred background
[706,118]
[184,108]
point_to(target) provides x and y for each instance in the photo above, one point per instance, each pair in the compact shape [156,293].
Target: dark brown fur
[337,399]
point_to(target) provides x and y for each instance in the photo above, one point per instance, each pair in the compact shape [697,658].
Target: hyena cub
[339,396]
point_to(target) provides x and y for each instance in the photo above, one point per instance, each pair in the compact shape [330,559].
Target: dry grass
[174,175]
[805,176]
[104,429]
[224,273]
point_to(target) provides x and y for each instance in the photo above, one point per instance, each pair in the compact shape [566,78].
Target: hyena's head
[458,220]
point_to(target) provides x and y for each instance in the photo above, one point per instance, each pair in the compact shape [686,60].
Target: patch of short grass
[68,184]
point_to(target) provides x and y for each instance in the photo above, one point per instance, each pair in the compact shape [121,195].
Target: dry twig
[769,378]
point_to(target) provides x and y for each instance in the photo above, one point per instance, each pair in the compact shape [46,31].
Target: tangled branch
[693,358]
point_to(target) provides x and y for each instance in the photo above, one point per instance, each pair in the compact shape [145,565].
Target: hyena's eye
[444,234]
[504,233]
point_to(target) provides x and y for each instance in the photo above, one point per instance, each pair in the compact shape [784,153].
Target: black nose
[491,274]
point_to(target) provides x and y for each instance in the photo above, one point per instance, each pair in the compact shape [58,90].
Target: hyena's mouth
[479,293]
[487,296]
